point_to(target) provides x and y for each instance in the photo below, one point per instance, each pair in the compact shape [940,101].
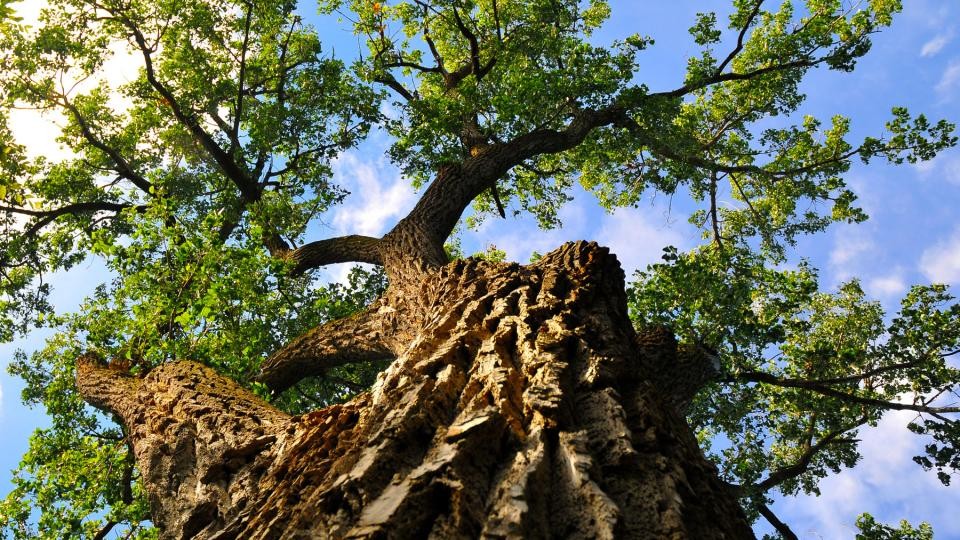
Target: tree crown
[196,182]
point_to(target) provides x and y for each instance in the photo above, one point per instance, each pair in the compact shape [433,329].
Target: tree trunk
[520,405]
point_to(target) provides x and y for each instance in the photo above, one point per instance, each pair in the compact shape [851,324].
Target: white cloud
[951,168]
[949,81]
[520,237]
[936,44]
[633,235]
[636,239]
[1,400]
[379,196]
[941,262]
[849,246]
[946,166]
[926,167]
[887,286]
[37,131]
[29,10]
[340,272]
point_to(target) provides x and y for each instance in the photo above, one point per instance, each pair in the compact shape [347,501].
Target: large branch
[456,186]
[196,436]
[825,390]
[777,524]
[105,388]
[358,338]
[352,248]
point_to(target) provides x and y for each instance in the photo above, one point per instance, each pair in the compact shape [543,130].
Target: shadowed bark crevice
[518,406]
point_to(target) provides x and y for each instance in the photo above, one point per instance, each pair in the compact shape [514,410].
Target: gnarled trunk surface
[521,404]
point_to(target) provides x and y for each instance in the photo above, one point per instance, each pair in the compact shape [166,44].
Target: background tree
[196,182]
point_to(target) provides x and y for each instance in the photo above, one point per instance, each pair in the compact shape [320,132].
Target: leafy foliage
[871,530]
[475,68]
[804,370]
[222,139]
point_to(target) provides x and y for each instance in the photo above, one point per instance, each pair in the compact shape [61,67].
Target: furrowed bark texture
[521,404]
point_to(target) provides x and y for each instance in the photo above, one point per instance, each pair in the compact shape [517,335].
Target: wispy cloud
[379,196]
[946,166]
[636,236]
[886,483]
[951,168]
[941,262]
[936,44]
[519,237]
[849,248]
[949,81]
[38,131]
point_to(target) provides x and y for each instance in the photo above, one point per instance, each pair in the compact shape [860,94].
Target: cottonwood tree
[533,400]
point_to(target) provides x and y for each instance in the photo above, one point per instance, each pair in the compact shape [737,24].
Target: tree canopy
[196,183]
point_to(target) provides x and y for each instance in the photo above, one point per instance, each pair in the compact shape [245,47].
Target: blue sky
[913,235]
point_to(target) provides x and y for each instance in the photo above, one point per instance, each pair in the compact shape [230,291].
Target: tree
[533,400]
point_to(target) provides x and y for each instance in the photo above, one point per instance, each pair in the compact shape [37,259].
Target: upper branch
[825,390]
[628,123]
[238,112]
[391,82]
[797,468]
[123,167]
[743,33]
[236,172]
[47,217]
[473,66]
[455,186]
[747,75]
[222,158]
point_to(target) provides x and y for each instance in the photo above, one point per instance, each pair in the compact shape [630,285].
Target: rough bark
[521,404]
